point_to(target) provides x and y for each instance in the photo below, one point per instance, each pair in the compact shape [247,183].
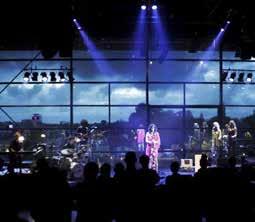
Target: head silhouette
[90,171]
[119,169]
[130,159]
[144,161]
[105,170]
[203,161]
[175,167]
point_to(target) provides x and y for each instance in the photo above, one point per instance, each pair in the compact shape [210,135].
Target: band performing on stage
[79,147]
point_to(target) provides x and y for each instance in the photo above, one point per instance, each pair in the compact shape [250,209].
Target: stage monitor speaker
[186,163]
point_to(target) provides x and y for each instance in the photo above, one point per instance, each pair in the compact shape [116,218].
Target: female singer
[153,144]
[232,135]
[216,138]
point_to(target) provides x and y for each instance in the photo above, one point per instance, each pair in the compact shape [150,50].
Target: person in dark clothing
[105,183]
[14,155]
[174,179]
[147,178]
[87,195]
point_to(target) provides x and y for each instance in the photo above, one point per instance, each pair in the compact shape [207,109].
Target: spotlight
[228,22]
[26,76]
[43,135]
[143,7]
[151,62]
[154,7]
[249,77]
[53,77]
[44,76]
[232,77]
[77,139]
[241,77]
[222,29]
[62,76]
[21,139]
[35,76]
[224,76]
[74,20]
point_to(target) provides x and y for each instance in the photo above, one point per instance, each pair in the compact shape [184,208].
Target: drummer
[70,144]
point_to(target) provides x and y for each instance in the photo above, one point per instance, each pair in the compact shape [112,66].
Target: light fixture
[154,7]
[232,77]
[62,76]
[143,7]
[228,22]
[53,77]
[249,77]
[241,77]
[201,62]
[224,76]
[21,139]
[26,76]
[43,135]
[70,76]
[222,29]
[35,76]
[44,76]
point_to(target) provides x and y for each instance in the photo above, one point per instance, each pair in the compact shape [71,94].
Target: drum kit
[73,156]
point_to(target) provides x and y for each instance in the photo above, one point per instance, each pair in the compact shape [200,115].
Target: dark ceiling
[47,23]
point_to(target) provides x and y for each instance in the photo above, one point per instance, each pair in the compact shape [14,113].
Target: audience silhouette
[132,194]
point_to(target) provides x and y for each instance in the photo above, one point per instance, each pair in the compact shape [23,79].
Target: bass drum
[76,172]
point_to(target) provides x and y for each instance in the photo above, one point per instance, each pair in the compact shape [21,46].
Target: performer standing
[232,135]
[216,138]
[153,145]
[14,155]
[196,138]
[140,136]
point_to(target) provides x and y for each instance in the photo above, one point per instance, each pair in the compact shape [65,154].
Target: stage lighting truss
[47,75]
[237,76]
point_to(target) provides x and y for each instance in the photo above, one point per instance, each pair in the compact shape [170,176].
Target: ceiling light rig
[237,76]
[47,75]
